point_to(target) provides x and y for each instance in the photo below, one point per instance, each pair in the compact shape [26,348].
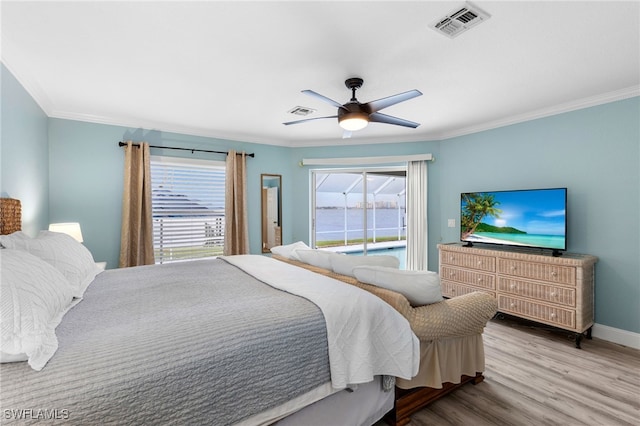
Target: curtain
[236,230]
[417,238]
[136,237]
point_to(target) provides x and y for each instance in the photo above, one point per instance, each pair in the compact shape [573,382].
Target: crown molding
[578,104]
[30,85]
[40,97]
[164,127]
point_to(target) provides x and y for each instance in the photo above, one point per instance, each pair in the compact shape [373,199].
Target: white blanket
[367,337]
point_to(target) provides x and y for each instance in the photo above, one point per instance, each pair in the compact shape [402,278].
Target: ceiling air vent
[301,110]
[460,20]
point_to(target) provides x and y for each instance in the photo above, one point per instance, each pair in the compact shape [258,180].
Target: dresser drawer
[452,289]
[465,276]
[543,292]
[472,261]
[565,318]
[538,271]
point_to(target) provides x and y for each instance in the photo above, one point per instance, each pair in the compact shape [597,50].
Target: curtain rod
[186,149]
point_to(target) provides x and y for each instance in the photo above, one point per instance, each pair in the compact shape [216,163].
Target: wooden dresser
[556,291]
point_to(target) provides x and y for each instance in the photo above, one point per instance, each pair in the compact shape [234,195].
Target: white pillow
[319,258]
[419,287]
[63,252]
[344,264]
[35,297]
[289,250]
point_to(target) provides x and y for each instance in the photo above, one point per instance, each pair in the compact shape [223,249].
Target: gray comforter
[188,343]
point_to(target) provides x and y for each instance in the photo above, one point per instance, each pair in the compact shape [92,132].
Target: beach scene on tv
[531,218]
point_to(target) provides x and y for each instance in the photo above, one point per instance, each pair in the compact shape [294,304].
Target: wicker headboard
[10,216]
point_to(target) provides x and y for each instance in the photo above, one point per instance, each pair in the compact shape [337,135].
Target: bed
[235,340]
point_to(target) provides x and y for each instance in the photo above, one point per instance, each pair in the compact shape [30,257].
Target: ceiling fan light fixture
[354,115]
[353,121]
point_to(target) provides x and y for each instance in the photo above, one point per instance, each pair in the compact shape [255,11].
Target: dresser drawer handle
[553,294]
[452,258]
[452,274]
[513,305]
[479,262]
[513,287]
[554,273]
[479,279]
[513,268]
[553,315]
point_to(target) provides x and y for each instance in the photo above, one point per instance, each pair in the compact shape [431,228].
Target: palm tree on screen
[477,206]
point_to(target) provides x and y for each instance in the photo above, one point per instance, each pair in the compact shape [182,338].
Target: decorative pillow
[63,252]
[35,297]
[319,258]
[419,287]
[344,264]
[289,250]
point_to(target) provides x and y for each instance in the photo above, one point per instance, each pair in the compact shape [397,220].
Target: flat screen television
[534,218]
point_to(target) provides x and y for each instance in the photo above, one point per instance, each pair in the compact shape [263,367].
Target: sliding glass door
[357,209]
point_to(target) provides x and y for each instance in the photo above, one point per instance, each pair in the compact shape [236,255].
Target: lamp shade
[353,121]
[70,228]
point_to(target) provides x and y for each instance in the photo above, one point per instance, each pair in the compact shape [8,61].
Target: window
[187,198]
[359,207]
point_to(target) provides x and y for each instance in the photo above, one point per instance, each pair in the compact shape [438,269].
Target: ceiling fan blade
[378,117]
[379,104]
[324,98]
[308,119]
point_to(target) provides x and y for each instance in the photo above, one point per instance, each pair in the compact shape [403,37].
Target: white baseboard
[616,335]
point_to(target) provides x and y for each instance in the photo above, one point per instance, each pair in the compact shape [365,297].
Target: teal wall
[86,174]
[594,152]
[24,153]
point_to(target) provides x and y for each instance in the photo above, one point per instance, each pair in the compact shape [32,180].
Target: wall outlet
[452,223]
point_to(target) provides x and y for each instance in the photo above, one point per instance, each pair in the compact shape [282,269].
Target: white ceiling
[232,70]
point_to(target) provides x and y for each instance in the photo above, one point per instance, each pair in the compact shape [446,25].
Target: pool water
[399,252]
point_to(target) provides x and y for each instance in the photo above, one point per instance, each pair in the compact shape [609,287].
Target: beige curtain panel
[136,238]
[236,229]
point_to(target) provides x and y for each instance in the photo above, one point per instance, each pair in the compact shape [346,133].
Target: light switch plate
[452,223]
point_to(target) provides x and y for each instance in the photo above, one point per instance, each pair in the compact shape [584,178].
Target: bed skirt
[445,361]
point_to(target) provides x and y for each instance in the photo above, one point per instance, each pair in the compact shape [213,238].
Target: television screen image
[529,218]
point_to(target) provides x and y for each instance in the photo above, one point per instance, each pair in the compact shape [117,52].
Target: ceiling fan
[354,115]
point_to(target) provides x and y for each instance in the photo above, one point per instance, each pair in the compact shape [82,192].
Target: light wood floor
[538,377]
